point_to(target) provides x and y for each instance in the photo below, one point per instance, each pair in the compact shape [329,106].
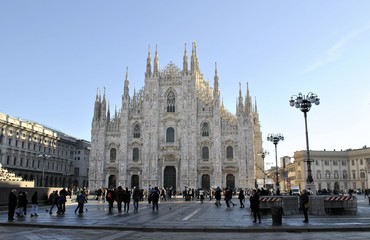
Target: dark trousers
[11,212]
[305,211]
[155,205]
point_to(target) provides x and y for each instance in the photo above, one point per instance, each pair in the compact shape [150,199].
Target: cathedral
[175,133]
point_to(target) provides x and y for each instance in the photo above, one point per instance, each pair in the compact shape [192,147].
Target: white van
[295,190]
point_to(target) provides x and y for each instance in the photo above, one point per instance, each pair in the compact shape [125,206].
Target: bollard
[277,215]
[369,200]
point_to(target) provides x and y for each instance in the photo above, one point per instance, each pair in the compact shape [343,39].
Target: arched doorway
[206,182]
[112,181]
[230,181]
[169,177]
[134,181]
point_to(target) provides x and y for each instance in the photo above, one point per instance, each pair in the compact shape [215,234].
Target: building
[334,170]
[81,163]
[175,132]
[38,153]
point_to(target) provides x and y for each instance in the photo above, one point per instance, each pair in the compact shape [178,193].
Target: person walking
[81,200]
[201,195]
[120,194]
[12,204]
[255,205]
[63,193]
[227,197]
[155,199]
[304,204]
[241,198]
[136,197]
[54,200]
[218,197]
[110,197]
[126,200]
[35,205]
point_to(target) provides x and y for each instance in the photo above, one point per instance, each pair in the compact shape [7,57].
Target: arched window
[135,154]
[327,174]
[345,174]
[113,154]
[170,135]
[205,153]
[229,152]
[318,174]
[336,174]
[362,173]
[171,102]
[137,131]
[205,130]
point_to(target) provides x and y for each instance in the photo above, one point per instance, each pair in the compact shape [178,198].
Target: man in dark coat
[12,204]
[255,205]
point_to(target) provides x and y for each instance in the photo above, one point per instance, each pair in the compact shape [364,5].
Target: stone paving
[181,220]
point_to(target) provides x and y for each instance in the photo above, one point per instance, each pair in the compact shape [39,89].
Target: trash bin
[277,215]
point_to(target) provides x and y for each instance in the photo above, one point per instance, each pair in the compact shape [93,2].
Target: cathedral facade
[175,132]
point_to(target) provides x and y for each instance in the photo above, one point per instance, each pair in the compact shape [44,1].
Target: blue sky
[55,54]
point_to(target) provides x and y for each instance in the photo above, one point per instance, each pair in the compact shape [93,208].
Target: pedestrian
[136,197]
[119,198]
[54,200]
[201,195]
[64,193]
[61,203]
[255,205]
[110,199]
[227,197]
[241,198]
[81,200]
[126,200]
[22,204]
[218,197]
[98,195]
[231,197]
[155,198]
[35,205]
[12,204]
[304,204]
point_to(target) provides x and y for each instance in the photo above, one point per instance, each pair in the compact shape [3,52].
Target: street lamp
[304,103]
[275,138]
[263,155]
[44,157]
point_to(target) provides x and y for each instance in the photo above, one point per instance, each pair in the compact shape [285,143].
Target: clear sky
[55,54]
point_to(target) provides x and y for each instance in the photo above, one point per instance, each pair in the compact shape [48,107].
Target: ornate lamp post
[263,155]
[275,138]
[304,103]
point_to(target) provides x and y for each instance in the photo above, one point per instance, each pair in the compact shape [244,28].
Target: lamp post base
[311,188]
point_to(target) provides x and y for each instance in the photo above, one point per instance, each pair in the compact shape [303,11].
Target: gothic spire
[108,112]
[215,84]
[103,106]
[193,64]
[126,84]
[156,62]
[248,102]
[185,62]
[148,72]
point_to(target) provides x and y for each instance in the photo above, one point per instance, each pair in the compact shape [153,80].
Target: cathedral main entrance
[169,177]
[206,182]
[230,181]
[112,181]
[134,181]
